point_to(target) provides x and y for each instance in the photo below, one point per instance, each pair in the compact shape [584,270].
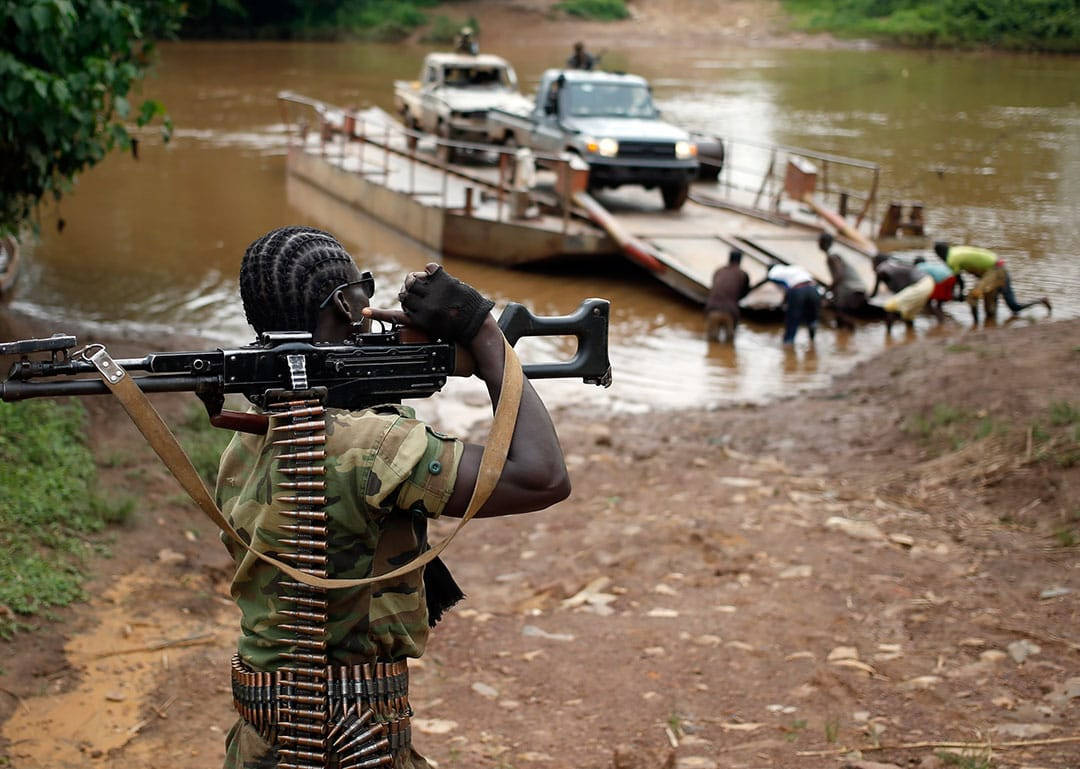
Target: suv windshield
[609,100]
[476,77]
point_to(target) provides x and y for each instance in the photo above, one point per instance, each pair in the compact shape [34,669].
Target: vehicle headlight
[609,148]
[684,150]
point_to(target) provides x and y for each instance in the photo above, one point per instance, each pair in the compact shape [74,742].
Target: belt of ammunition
[355,712]
[318,715]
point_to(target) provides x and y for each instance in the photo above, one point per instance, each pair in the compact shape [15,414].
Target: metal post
[445,184]
[468,201]
[502,175]
[412,166]
[363,141]
[763,189]
[728,150]
[566,171]
[386,156]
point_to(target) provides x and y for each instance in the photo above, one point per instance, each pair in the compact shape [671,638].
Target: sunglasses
[366,281]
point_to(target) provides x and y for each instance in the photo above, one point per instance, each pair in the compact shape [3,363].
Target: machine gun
[371,368]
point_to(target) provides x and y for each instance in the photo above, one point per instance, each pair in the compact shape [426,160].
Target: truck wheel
[414,126]
[675,195]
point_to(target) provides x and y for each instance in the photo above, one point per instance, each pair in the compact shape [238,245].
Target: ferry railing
[394,139]
[848,184]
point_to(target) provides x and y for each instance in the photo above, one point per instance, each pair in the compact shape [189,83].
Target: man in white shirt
[802,301]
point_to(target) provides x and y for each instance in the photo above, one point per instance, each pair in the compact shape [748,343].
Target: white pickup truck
[610,121]
[454,93]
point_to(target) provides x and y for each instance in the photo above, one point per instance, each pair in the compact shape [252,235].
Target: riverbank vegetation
[1036,25]
[335,19]
[48,507]
[67,70]
[596,10]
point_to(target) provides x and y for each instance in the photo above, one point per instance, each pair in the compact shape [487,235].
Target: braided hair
[287,273]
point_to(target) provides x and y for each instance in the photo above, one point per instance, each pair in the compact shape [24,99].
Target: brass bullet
[303,485]
[310,515]
[301,427]
[302,456]
[310,440]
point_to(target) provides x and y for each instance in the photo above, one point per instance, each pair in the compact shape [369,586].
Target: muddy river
[989,143]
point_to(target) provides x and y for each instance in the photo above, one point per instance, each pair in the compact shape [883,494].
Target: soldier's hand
[442,305]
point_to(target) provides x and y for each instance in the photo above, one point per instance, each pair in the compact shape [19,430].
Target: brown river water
[989,143]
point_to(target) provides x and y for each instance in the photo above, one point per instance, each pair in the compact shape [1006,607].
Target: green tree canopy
[66,69]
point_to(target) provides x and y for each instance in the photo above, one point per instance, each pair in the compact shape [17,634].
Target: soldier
[379,474]
[580,58]
[466,43]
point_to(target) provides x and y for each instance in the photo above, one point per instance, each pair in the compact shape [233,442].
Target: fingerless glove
[445,306]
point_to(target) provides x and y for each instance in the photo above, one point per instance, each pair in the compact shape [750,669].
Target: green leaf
[150,109]
[122,106]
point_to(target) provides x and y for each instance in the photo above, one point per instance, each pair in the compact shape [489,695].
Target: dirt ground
[776,586]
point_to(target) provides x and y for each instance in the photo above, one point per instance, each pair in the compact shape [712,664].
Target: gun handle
[589,323]
[241,422]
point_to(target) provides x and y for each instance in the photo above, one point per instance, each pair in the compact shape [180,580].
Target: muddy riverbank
[892,559]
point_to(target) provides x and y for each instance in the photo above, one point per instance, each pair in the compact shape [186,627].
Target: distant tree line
[304,19]
[1039,25]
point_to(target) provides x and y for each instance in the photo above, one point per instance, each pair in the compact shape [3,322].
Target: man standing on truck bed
[580,58]
[466,43]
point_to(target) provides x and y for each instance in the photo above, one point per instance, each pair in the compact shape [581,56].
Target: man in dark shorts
[848,290]
[729,284]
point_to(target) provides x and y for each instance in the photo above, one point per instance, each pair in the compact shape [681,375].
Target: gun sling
[165,445]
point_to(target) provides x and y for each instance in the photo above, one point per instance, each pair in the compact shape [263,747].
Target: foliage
[47,505]
[1046,25]
[325,19]
[203,442]
[66,70]
[444,29]
[599,10]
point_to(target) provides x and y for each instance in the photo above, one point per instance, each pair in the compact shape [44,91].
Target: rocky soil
[886,571]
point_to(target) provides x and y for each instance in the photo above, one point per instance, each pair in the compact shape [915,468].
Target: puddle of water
[108,706]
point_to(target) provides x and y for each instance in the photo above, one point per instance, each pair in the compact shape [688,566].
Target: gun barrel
[17,391]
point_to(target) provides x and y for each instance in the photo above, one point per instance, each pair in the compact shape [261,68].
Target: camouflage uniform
[386,473]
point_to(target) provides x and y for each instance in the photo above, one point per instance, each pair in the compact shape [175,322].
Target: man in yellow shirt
[993,278]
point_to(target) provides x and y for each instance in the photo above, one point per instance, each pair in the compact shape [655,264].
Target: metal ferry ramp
[472,209]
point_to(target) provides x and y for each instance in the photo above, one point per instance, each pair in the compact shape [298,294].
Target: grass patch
[792,731]
[1067,537]
[943,421]
[595,10]
[48,507]
[959,348]
[964,762]
[951,427]
[1063,413]
[1044,25]
[203,442]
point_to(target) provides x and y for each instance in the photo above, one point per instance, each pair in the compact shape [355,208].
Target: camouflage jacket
[386,473]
